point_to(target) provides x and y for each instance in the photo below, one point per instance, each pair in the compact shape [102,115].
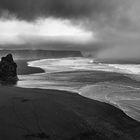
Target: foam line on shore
[80,63]
[72,64]
[104,92]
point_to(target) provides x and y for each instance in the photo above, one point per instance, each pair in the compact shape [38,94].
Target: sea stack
[8,69]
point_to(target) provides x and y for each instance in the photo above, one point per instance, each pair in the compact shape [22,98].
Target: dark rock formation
[8,69]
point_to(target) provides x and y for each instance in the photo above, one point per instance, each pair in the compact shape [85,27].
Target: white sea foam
[120,96]
[126,97]
[80,63]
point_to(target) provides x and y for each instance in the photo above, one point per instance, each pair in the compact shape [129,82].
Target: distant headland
[40,54]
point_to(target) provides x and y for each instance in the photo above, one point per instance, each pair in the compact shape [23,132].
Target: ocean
[116,84]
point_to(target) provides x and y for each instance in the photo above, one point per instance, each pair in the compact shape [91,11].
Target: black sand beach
[24,69]
[36,114]
[70,70]
[51,114]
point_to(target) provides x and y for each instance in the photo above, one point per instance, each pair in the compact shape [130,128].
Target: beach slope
[36,114]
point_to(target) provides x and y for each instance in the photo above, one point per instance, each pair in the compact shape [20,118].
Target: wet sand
[113,88]
[36,114]
[60,115]
[126,98]
[23,68]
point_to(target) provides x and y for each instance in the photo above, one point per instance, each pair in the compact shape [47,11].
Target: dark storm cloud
[115,24]
[30,9]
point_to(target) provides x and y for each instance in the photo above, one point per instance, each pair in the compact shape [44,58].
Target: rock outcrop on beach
[8,69]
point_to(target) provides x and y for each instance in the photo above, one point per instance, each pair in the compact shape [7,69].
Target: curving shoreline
[122,106]
[61,115]
[24,69]
[105,92]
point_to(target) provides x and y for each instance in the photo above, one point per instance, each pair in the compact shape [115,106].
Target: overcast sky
[113,25]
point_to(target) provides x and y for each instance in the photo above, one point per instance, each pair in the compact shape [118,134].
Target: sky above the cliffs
[110,26]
